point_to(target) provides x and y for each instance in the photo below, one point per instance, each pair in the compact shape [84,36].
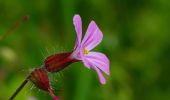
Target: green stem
[19,88]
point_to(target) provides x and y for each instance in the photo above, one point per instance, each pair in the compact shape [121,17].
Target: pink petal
[83,59]
[88,64]
[78,27]
[99,60]
[100,75]
[92,37]
[76,53]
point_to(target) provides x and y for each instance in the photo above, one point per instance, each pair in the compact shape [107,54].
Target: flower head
[82,50]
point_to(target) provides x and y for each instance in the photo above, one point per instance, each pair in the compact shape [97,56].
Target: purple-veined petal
[76,53]
[86,63]
[92,37]
[83,59]
[99,60]
[89,64]
[78,27]
[100,75]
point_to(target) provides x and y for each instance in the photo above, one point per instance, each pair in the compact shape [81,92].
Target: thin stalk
[25,18]
[52,94]
[19,88]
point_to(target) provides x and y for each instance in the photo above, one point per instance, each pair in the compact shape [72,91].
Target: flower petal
[84,60]
[78,27]
[99,60]
[100,75]
[92,37]
[89,64]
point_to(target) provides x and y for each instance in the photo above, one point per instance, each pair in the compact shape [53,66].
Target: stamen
[85,51]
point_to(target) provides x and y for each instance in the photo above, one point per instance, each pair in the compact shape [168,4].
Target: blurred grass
[136,40]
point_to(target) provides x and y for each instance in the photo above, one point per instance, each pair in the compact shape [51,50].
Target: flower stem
[52,94]
[19,88]
[25,18]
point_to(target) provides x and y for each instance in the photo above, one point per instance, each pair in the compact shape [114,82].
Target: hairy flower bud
[58,62]
[40,78]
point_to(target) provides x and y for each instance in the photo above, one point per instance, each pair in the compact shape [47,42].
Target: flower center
[85,51]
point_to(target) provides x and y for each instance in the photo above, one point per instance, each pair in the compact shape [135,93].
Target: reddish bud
[58,62]
[40,79]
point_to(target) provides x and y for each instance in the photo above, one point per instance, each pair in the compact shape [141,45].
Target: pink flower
[94,60]
[82,50]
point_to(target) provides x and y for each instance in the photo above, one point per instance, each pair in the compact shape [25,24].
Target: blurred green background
[136,40]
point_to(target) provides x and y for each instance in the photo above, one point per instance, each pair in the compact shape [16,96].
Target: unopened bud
[40,79]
